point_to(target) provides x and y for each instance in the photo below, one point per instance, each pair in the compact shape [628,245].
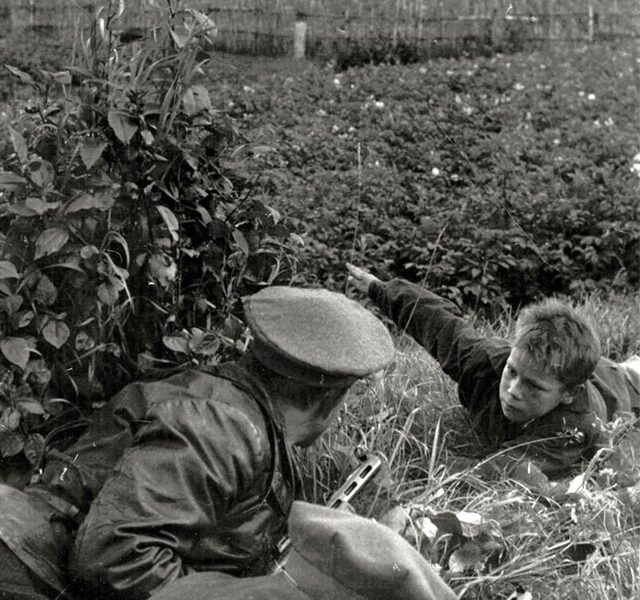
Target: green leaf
[107,294]
[11,304]
[84,342]
[41,173]
[177,343]
[56,333]
[11,419]
[204,343]
[34,448]
[8,270]
[50,241]
[20,208]
[23,318]
[62,77]
[180,40]
[31,407]
[20,74]
[232,327]
[16,350]
[205,216]
[19,145]
[239,238]
[196,99]
[39,206]
[170,221]
[10,181]
[91,150]
[11,443]
[101,200]
[122,124]
[45,292]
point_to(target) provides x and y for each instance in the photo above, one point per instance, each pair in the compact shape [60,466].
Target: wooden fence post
[299,36]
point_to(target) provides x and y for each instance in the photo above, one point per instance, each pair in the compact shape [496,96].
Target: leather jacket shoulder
[206,485]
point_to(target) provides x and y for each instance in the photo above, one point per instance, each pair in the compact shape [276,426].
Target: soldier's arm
[172,490]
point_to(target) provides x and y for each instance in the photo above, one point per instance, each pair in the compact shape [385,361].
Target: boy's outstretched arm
[434,322]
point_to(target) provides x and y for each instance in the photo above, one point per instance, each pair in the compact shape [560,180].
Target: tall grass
[585,547]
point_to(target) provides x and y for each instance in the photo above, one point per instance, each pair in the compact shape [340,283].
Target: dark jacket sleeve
[436,324]
[173,489]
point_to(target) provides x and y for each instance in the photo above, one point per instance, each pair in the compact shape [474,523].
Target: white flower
[455,177]
[422,70]
[608,122]
[379,104]
[457,99]
[635,166]
[470,73]
[591,97]
[335,128]
[322,112]
[450,72]
[467,110]
[597,124]
[247,89]
[581,94]
[435,171]
[231,104]
[518,86]
[351,129]
[337,82]
[556,141]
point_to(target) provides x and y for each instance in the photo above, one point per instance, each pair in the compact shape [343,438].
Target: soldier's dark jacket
[555,442]
[204,481]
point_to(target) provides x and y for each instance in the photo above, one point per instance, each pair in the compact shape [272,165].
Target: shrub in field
[129,230]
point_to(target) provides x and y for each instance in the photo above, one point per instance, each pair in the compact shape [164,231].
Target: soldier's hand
[359,278]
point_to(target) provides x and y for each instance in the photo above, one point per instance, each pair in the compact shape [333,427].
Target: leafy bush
[129,227]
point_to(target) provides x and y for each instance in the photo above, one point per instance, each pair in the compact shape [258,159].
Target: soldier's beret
[315,336]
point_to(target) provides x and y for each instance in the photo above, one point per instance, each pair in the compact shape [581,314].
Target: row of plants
[129,226]
[494,180]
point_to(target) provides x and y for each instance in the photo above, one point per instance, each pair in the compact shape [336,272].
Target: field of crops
[496,180]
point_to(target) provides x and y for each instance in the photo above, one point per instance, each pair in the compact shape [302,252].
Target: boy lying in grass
[542,399]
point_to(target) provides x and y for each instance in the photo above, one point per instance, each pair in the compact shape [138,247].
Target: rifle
[358,479]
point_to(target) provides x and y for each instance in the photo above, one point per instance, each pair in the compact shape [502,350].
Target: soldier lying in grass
[542,398]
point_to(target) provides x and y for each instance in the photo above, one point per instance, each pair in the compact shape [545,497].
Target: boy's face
[528,391]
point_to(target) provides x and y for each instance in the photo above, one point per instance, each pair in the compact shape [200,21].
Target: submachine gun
[368,468]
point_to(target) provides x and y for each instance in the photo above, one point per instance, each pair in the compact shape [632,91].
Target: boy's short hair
[559,339]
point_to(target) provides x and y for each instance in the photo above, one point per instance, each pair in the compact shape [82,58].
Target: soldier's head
[555,351]
[311,346]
